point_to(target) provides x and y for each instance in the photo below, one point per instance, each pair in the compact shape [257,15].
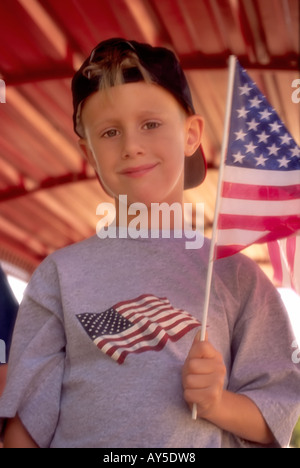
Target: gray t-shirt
[103,332]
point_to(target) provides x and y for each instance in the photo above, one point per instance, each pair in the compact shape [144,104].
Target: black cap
[163,68]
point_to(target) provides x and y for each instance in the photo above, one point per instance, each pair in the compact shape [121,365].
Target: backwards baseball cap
[163,69]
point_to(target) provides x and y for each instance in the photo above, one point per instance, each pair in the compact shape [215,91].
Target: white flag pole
[231,67]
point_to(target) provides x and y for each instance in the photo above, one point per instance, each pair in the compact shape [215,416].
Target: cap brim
[195,169]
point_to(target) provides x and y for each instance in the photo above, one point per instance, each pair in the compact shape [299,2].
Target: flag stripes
[141,324]
[259,192]
[283,255]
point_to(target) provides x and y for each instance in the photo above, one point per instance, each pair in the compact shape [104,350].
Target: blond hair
[110,69]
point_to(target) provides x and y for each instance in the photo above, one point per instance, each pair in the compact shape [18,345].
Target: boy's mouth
[138,171]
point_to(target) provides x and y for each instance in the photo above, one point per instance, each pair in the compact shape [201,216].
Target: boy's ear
[89,156]
[87,153]
[195,125]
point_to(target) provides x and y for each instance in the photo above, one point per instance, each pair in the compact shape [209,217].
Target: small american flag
[260,198]
[141,324]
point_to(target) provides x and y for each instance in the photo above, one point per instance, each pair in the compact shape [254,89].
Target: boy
[103,352]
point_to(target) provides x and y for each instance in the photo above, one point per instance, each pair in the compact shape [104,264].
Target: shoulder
[78,262]
[77,249]
[240,271]
[245,290]
[65,261]
[79,253]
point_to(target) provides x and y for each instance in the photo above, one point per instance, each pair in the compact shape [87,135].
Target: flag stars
[255,102]
[283,162]
[285,139]
[238,157]
[245,90]
[275,126]
[295,152]
[273,150]
[261,161]
[242,112]
[265,114]
[250,148]
[262,137]
[258,139]
[240,135]
[107,323]
[253,125]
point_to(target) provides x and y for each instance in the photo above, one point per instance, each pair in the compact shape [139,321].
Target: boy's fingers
[202,350]
[200,367]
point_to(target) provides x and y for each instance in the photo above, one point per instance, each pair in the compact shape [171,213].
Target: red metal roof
[48,196]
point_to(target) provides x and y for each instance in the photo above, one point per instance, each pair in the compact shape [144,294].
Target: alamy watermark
[175,220]
[2,91]
[296,353]
[2,352]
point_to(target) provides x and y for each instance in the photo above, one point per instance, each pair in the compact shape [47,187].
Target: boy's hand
[203,377]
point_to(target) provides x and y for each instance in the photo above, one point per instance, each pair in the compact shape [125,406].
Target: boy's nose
[132,146]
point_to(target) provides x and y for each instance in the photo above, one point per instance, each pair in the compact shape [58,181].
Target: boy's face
[137,137]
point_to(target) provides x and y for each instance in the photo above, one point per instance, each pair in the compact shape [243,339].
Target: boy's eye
[151,125]
[112,132]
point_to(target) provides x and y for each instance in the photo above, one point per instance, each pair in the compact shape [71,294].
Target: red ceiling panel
[25,45]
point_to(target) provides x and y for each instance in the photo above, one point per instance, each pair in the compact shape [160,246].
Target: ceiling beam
[46,129]
[59,70]
[51,30]
[200,61]
[193,61]
[17,191]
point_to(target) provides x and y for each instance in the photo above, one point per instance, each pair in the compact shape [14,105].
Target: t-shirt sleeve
[37,358]
[262,364]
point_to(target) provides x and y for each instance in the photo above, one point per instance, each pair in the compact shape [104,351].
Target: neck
[158,216]
[160,220]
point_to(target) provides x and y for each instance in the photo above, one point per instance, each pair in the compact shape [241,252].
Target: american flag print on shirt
[142,324]
[260,200]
